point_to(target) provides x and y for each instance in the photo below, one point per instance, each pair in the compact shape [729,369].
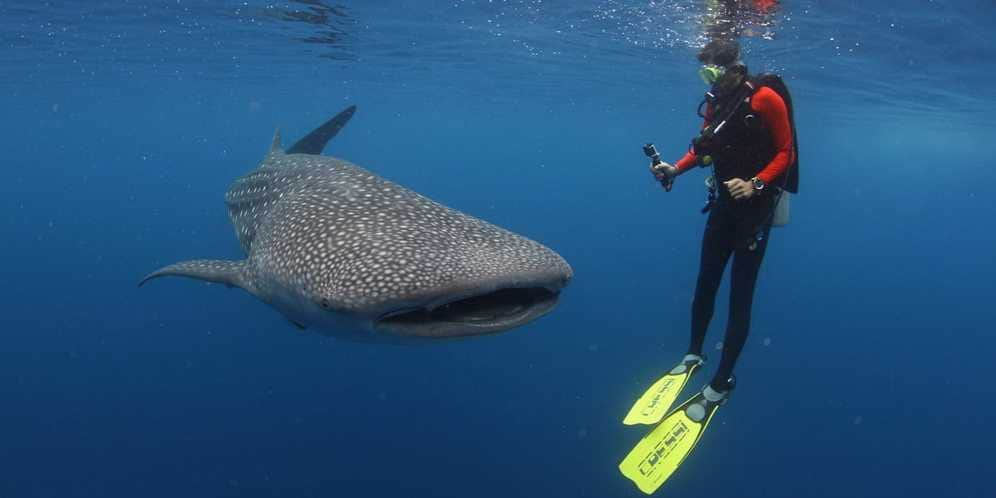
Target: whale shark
[338,249]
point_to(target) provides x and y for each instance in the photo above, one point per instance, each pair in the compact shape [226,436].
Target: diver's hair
[737,67]
[720,52]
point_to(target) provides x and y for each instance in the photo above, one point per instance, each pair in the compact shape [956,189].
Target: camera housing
[652,153]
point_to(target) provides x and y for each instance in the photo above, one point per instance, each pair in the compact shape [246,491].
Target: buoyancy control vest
[737,142]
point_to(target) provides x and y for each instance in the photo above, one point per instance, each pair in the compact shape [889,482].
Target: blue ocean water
[868,369]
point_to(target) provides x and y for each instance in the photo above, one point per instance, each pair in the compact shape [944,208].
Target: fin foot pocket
[651,407]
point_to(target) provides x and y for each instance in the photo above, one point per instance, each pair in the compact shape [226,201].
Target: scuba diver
[748,138]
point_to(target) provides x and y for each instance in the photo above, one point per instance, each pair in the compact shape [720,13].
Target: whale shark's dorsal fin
[314,142]
[275,147]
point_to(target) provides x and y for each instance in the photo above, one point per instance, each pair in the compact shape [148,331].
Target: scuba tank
[781,216]
[790,183]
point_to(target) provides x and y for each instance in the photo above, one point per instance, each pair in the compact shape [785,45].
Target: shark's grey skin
[335,247]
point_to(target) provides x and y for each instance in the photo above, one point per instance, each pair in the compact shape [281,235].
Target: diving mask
[710,73]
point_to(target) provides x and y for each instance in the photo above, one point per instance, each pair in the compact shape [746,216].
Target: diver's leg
[717,245]
[746,264]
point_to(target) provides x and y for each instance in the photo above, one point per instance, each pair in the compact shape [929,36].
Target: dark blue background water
[867,373]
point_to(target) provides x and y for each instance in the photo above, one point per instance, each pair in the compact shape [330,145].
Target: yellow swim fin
[660,452]
[654,404]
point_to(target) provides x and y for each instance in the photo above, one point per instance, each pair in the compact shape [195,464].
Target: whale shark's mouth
[492,312]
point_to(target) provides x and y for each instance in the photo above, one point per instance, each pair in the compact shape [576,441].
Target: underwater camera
[652,153]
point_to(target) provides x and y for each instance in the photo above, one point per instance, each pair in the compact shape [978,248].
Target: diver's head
[721,66]
[720,52]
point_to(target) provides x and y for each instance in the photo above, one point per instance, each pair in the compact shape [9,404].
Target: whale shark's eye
[325,303]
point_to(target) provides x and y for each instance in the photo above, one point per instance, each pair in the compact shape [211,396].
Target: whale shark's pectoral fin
[314,142]
[230,273]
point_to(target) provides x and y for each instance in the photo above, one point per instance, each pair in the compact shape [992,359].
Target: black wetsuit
[744,149]
[736,228]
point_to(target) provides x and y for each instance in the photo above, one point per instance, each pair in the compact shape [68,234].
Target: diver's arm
[665,171]
[774,114]
[686,162]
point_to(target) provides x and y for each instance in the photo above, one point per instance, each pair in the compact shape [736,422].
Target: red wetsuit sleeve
[771,107]
[686,162]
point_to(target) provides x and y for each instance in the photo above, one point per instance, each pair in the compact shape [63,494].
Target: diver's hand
[663,171]
[739,189]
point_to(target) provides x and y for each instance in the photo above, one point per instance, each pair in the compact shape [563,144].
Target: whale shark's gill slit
[509,305]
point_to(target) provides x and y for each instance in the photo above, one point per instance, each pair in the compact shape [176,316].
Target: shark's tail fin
[230,273]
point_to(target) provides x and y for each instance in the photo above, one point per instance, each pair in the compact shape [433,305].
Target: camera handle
[650,151]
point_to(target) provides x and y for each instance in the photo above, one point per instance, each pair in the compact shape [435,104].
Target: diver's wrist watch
[758,183]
